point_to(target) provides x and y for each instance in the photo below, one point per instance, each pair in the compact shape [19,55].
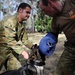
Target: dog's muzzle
[39,66]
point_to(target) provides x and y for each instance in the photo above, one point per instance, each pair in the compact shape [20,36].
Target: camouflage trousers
[66,64]
[9,60]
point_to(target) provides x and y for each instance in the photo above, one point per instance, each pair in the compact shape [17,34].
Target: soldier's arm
[26,41]
[9,37]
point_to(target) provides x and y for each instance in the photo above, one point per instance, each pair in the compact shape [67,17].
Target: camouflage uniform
[13,38]
[65,21]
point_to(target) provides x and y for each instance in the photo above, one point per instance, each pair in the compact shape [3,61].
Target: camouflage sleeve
[8,36]
[19,47]
[26,41]
[12,43]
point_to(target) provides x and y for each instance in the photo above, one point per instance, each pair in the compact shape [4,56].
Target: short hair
[45,2]
[23,6]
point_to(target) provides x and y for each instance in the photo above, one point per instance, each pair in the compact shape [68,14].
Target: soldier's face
[25,13]
[53,7]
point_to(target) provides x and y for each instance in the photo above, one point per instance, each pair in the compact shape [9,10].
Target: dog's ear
[34,50]
[34,47]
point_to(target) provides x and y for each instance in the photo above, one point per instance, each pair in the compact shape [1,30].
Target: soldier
[13,38]
[63,14]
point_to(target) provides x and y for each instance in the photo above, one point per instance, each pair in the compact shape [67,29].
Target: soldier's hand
[25,54]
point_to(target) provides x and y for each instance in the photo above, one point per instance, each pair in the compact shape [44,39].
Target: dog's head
[34,67]
[36,54]
[28,69]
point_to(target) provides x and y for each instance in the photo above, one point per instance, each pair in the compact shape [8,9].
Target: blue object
[47,44]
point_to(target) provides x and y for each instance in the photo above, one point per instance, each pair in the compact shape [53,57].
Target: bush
[43,25]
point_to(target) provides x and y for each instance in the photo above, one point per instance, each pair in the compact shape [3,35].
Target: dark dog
[27,69]
[35,66]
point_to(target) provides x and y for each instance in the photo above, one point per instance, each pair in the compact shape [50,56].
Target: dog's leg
[41,70]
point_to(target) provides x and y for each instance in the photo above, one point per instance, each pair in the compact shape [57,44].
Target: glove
[47,44]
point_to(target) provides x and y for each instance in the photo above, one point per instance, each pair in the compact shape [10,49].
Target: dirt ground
[51,61]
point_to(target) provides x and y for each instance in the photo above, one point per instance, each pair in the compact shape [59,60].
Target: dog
[27,69]
[35,66]
[38,60]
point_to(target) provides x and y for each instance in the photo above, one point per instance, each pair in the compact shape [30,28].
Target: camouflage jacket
[13,35]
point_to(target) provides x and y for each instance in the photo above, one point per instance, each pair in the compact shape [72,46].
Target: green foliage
[43,23]
[1,5]
[48,25]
